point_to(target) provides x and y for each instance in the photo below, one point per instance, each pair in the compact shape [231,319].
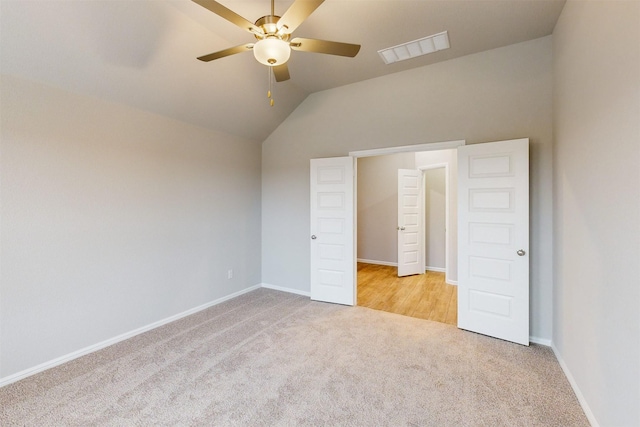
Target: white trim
[408,148]
[354,218]
[395,264]
[451,282]
[99,346]
[283,289]
[542,341]
[373,261]
[583,402]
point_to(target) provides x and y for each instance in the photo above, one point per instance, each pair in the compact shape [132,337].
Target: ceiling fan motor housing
[272,47]
[269,25]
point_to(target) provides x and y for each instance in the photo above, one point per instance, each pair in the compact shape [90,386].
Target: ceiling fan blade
[226,52]
[323,46]
[281,72]
[229,15]
[297,13]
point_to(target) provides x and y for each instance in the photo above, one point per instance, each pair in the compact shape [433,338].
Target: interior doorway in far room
[425,294]
[435,220]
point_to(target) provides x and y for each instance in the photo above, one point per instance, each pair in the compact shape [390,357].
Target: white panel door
[493,239]
[333,274]
[410,227]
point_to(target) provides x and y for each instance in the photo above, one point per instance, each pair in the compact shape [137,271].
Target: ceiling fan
[273,34]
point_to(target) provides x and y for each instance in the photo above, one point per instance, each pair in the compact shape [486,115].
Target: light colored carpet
[274,359]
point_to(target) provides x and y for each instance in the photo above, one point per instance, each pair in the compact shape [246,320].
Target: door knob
[313,237]
[400,228]
[521,252]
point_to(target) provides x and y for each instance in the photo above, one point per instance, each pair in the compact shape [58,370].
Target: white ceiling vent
[415,48]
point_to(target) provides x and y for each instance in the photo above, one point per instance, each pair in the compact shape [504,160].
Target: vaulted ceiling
[143,53]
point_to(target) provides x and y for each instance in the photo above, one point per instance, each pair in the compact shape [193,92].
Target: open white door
[410,228]
[493,239]
[333,275]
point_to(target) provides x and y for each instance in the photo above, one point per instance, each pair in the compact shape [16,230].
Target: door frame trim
[434,146]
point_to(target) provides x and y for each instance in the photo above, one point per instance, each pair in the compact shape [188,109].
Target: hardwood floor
[425,296]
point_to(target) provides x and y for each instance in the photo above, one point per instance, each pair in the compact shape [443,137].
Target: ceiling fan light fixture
[271,51]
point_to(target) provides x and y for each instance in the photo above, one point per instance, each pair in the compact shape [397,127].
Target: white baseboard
[373,261]
[542,341]
[283,289]
[576,390]
[394,264]
[99,346]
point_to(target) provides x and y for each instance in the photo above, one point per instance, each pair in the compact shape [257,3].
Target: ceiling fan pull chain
[269,91]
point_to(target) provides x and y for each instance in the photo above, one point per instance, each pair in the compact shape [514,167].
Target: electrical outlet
[230,274]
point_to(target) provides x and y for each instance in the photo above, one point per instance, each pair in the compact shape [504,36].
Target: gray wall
[378,205]
[495,95]
[596,329]
[112,219]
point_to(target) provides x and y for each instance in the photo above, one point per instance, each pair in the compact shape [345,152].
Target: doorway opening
[492,233]
[431,293]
